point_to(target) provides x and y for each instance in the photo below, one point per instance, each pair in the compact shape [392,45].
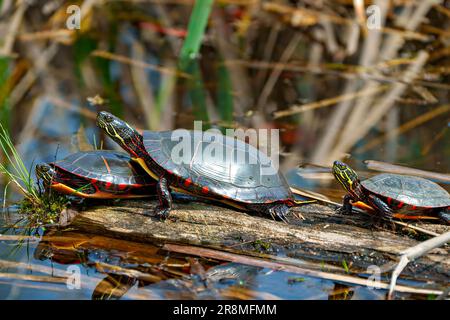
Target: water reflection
[118,269]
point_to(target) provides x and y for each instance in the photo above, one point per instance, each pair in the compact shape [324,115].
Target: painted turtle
[253,185]
[97,174]
[393,195]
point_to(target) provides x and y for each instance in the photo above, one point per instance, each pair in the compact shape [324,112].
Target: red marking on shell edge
[187,182]
[169,171]
[108,185]
[389,200]
[93,181]
[122,186]
[205,190]
[413,207]
[400,205]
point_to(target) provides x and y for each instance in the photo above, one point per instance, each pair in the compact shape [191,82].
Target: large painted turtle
[393,195]
[252,185]
[97,174]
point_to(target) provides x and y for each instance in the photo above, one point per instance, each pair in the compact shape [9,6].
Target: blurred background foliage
[312,69]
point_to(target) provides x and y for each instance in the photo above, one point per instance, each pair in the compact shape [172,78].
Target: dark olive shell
[104,166]
[215,161]
[410,190]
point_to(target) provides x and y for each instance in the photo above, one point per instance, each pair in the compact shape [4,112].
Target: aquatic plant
[42,207]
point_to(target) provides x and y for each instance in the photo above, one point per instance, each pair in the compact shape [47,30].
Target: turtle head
[45,173]
[122,133]
[346,176]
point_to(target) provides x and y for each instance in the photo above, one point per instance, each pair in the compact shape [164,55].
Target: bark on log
[323,236]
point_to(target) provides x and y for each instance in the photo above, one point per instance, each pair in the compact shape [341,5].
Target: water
[117,269]
[236,85]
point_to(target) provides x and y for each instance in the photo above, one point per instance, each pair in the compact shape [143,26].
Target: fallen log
[323,236]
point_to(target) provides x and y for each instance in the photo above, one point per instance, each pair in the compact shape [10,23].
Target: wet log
[323,236]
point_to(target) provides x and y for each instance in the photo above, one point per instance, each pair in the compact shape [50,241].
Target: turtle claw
[444,216]
[343,210]
[162,213]
[282,217]
[279,212]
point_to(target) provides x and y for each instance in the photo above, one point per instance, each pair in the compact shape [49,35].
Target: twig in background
[433,113]
[267,53]
[30,77]
[367,121]
[278,266]
[371,47]
[143,88]
[329,102]
[314,16]
[414,253]
[388,167]
[271,81]
[139,64]
[238,75]
[11,33]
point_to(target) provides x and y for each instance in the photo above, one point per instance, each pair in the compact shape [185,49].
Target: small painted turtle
[97,174]
[393,195]
[248,185]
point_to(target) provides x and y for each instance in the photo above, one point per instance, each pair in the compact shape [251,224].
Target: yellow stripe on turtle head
[344,174]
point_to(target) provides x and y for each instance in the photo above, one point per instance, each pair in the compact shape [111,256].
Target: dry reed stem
[135,63]
[393,168]
[143,87]
[275,74]
[369,52]
[238,76]
[404,128]
[295,109]
[360,111]
[318,15]
[370,119]
[413,253]
[11,33]
[278,266]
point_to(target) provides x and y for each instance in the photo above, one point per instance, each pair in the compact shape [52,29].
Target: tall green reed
[14,169]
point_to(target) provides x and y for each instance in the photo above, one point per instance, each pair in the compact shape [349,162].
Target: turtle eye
[108,118]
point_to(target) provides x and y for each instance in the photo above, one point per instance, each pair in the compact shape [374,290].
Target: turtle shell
[104,166]
[410,190]
[223,165]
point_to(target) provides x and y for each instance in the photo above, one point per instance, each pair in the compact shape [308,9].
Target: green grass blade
[5,110]
[15,169]
[224,94]
[196,30]
[197,94]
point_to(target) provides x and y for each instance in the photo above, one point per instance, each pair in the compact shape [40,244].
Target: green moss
[47,212]
[262,245]
[293,280]
[40,207]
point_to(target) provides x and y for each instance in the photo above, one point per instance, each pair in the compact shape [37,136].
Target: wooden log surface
[323,236]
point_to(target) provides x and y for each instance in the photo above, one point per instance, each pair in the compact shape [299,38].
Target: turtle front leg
[381,206]
[444,215]
[346,205]
[165,199]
